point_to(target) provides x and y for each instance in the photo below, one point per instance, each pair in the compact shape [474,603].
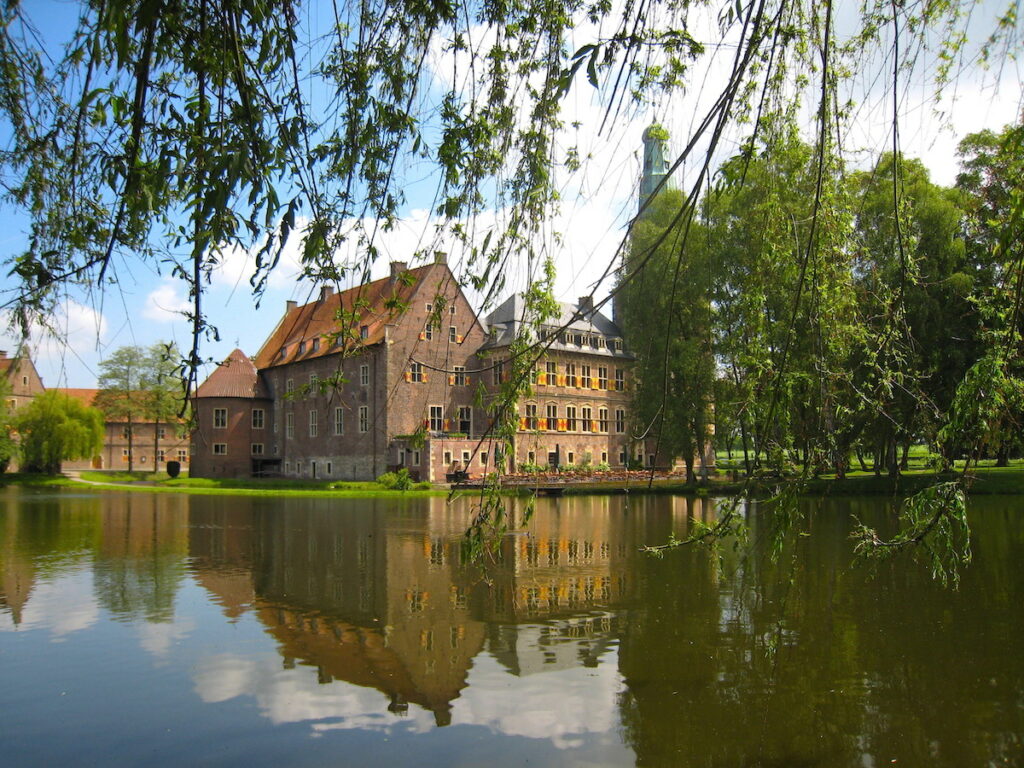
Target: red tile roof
[373,305]
[235,377]
[84,396]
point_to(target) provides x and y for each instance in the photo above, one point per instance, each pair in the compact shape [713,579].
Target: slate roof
[504,322]
[235,377]
[376,304]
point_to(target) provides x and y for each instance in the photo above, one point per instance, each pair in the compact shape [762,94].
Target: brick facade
[396,373]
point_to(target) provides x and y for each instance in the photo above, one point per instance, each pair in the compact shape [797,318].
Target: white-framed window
[436,418]
[127,431]
[447,458]
[602,377]
[620,380]
[428,329]
[339,421]
[498,372]
[570,374]
[257,418]
[570,458]
[364,418]
[314,381]
[585,376]
[364,332]
[551,417]
[220,418]
[161,456]
[256,449]
[620,420]
[289,425]
[466,419]
[465,458]
[416,373]
[289,385]
[161,433]
[430,307]
[602,419]
[416,458]
[364,375]
[182,455]
[483,458]
[622,457]
[585,424]
[312,423]
[220,449]
[125,454]
[459,377]
[531,457]
[570,418]
[316,343]
[531,417]
[452,334]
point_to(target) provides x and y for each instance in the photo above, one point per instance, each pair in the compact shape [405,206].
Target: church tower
[655,161]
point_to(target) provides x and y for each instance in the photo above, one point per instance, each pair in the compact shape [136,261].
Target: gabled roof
[306,332]
[84,396]
[235,377]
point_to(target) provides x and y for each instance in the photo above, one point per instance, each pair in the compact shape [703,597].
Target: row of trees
[823,314]
[136,384]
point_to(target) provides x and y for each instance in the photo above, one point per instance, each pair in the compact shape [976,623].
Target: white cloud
[60,605]
[166,303]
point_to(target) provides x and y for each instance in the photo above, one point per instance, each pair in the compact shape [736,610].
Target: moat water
[140,629]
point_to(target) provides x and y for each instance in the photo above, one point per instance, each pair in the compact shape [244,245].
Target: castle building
[398,373]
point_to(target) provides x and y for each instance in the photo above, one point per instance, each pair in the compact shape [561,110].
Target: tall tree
[123,396]
[162,384]
[916,290]
[666,310]
[55,427]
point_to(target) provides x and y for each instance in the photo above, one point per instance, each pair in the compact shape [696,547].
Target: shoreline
[984,481]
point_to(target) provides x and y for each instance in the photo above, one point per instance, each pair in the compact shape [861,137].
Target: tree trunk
[860,459]
[1003,455]
[131,437]
[905,458]
[156,445]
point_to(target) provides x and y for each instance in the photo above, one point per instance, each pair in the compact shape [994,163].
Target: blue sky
[147,303]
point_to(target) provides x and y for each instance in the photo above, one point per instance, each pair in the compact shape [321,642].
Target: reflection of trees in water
[140,561]
[40,538]
[811,662]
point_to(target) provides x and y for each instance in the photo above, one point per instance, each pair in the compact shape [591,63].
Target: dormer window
[364,332]
[618,345]
[302,347]
[316,343]
[284,352]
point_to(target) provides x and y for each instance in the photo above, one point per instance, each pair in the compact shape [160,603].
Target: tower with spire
[656,165]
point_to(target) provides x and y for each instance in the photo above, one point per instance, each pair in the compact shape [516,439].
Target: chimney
[290,305]
[586,305]
[440,257]
[397,268]
[3,354]
[326,291]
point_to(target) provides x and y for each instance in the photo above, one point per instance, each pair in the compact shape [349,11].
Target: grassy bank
[986,480]
[160,483]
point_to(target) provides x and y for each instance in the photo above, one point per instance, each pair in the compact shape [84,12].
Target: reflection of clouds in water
[62,605]
[158,637]
[561,705]
[295,695]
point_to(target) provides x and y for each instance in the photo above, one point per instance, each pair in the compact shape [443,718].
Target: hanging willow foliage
[173,132]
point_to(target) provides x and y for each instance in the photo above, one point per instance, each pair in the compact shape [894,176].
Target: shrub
[395,481]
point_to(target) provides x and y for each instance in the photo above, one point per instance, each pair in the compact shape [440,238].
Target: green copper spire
[655,160]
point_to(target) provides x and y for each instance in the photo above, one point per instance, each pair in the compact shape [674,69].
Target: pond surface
[154,629]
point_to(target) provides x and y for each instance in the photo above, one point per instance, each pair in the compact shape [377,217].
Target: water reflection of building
[384,597]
